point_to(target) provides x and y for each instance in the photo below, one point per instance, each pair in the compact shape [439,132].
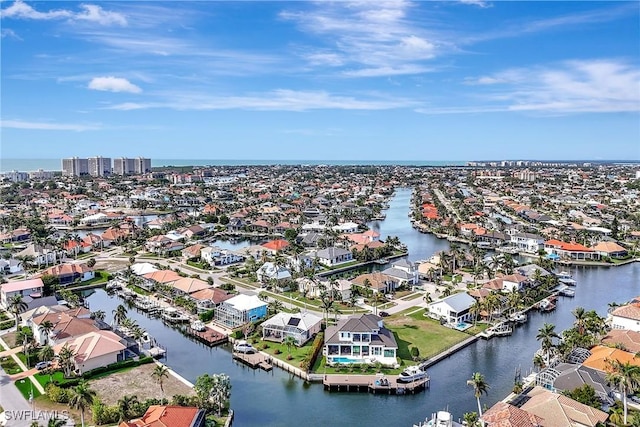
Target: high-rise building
[99,166]
[142,165]
[75,166]
[123,166]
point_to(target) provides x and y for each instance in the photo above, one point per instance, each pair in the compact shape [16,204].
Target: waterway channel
[278,399]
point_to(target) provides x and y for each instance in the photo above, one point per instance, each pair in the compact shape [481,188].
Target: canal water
[278,399]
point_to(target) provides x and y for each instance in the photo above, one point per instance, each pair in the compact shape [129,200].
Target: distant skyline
[293,80]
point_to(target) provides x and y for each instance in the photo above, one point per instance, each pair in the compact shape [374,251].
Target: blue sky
[368,80]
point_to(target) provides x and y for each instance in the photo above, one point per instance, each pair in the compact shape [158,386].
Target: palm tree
[160,372]
[46,353]
[581,317]
[45,328]
[82,396]
[17,306]
[480,387]
[119,314]
[98,315]
[67,356]
[289,341]
[126,405]
[471,419]
[625,377]
[546,334]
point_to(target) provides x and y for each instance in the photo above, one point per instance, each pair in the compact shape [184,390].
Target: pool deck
[367,383]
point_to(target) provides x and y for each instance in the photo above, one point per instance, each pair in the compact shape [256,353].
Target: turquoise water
[346,360]
[462,326]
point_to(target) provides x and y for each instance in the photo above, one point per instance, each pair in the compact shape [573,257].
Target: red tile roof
[165,416]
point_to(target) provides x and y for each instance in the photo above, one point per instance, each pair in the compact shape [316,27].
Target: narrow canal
[279,399]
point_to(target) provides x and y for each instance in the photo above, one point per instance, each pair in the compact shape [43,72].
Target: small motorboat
[198,325]
[412,373]
[518,317]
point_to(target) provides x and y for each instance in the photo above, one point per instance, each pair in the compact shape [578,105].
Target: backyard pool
[346,360]
[463,326]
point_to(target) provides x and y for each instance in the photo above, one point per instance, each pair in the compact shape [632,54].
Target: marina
[496,359]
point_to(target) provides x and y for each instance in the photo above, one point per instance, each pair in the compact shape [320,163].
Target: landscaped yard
[10,339]
[10,366]
[26,388]
[426,334]
[297,353]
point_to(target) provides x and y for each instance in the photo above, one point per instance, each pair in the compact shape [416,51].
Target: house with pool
[360,339]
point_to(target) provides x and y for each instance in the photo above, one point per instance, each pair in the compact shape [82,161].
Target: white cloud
[277,100]
[113,84]
[92,13]
[21,124]
[479,3]
[6,32]
[596,86]
[366,38]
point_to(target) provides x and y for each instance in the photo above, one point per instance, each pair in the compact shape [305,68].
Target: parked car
[244,347]
[43,365]
[383,314]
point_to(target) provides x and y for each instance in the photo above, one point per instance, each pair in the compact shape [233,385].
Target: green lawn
[100,277]
[297,353]
[426,334]
[44,379]
[10,366]
[139,290]
[26,387]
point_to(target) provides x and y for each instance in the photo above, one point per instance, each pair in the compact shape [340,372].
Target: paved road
[13,403]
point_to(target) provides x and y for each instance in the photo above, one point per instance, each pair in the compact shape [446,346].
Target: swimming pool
[346,360]
[462,326]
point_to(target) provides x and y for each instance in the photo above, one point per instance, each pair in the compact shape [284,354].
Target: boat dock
[373,384]
[254,360]
[209,336]
[499,330]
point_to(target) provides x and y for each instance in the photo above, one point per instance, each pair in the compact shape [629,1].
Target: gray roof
[458,302]
[363,323]
[331,252]
[396,272]
[574,376]
[403,263]
[530,269]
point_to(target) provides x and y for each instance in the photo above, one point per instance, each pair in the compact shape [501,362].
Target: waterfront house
[301,326]
[453,309]
[192,251]
[362,339]
[514,282]
[188,285]
[626,317]
[601,356]
[572,251]
[169,416]
[560,410]
[239,310]
[629,340]
[569,376]
[333,256]
[63,320]
[70,273]
[206,299]
[42,255]
[611,250]
[94,350]
[527,242]
[274,246]
[504,414]
[404,271]
[28,289]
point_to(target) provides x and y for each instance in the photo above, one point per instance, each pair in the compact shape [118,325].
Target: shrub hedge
[310,359]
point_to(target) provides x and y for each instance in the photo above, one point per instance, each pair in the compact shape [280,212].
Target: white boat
[566,278]
[440,419]
[170,314]
[412,373]
[518,317]
[567,292]
[198,325]
[143,303]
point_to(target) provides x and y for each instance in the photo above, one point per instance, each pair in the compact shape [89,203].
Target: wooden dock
[209,336]
[373,384]
[254,360]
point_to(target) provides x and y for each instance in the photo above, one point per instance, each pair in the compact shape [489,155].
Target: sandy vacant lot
[137,381]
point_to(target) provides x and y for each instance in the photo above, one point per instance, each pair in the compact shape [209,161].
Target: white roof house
[240,309]
[453,309]
[301,326]
[143,268]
